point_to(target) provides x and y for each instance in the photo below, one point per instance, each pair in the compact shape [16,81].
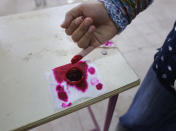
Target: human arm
[105,19]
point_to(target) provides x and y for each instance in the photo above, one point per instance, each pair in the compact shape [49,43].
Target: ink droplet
[66,105]
[94,81]
[91,70]
[76,58]
[99,86]
[63,96]
[59,88]
[108,43]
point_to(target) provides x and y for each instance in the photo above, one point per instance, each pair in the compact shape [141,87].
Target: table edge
[78,107]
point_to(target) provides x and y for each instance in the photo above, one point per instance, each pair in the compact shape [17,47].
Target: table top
[30,45]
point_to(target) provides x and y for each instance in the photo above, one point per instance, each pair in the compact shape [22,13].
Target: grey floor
[138,44]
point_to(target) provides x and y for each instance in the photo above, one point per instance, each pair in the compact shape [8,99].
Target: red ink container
[74,76]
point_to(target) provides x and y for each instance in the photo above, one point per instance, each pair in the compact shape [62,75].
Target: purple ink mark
[108,43]
[66,105]
[59,88]
[99,86]
[76,58]
[94,81]
[62,95]
[91,70]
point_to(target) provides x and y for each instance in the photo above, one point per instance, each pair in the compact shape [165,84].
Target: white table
[32,44]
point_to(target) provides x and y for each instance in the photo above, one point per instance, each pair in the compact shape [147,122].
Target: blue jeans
[153,108]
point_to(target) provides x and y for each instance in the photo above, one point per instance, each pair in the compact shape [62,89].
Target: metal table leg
[109,114]
[93,119]
[110,111]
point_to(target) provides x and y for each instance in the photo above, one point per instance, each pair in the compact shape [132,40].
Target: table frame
[110,110]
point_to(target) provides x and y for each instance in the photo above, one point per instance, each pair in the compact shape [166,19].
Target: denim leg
[153,108]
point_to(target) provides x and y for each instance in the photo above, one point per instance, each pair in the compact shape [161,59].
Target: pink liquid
[76,58]
[66,105]
[61,75]
[108,43]
[91,70]
[99,86]
[62,95]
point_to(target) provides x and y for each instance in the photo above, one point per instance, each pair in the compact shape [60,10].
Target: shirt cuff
[117,14]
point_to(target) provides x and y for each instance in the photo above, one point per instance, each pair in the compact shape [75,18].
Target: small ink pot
[74,76]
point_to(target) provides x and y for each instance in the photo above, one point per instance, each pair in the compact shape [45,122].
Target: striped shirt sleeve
[123,11]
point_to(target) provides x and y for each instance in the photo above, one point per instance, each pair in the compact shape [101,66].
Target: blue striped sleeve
[123,11]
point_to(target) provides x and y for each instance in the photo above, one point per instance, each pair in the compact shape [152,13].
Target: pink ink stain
[66,105]
[61,74]
[108,43]
[59,88]
[75,75]
[99,86]
[62,95]
[91,70]
[76,58]
[94,81]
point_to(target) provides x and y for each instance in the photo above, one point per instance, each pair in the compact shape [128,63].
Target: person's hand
[89,25]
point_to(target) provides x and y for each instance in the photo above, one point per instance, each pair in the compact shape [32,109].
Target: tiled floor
[138,43]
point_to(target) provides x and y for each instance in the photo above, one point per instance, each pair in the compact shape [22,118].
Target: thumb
[72,14]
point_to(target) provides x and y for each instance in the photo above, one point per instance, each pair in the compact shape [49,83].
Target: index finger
[72,14]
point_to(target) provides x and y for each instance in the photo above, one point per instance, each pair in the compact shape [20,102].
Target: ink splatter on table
[73,82]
